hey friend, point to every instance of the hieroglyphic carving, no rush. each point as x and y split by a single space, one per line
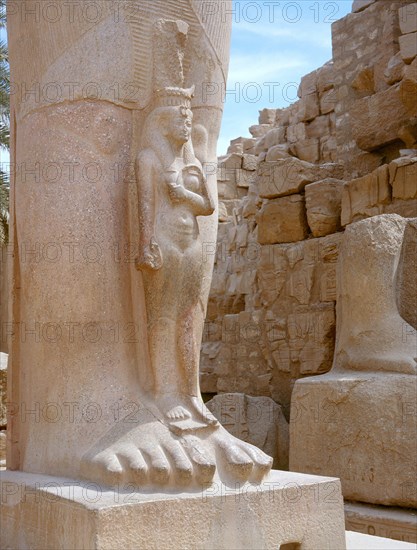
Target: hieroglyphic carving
311 339
366 196
329 252
381 527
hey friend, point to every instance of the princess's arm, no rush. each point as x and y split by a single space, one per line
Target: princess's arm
149 252
203 205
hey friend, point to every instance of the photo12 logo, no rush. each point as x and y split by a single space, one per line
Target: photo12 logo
247 11
250 92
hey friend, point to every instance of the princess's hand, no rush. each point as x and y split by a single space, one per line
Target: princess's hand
176 192
150 257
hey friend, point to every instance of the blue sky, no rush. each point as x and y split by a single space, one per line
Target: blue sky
274 44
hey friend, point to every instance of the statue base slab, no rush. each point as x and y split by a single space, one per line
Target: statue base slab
44 512
359 541
382 521
359 427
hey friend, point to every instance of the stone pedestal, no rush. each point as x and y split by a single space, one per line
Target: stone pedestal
382 521
43 512
360 427
359 541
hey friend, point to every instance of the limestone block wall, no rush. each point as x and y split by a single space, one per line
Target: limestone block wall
374 75
346 150
391 188
271 314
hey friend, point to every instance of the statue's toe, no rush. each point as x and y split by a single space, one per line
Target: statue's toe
107 468
178 413
134 465
204 465
158 465
262 462
236 461
182 468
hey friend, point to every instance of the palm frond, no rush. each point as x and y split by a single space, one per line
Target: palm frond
2 14
4 135
4 231
4 91
4 51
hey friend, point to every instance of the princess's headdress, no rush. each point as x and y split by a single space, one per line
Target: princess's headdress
170 40
173 97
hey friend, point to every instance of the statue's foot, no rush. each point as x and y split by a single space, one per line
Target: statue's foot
185 413
236 460
146 453
201 412
177 413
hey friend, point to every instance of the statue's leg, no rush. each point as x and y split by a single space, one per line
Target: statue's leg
161 301
371 334
189 331
80 349
406 288
172 364
205 446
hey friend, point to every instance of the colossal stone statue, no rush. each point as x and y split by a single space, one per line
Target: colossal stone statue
406 288
116 112
364 426
371 335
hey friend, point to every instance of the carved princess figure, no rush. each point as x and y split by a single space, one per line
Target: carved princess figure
172 192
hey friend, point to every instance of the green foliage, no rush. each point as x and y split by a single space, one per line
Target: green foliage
2 14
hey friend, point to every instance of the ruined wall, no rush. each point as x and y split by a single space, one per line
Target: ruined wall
373 52
344 151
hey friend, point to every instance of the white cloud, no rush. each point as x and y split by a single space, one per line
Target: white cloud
255 67
302 33
280 52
